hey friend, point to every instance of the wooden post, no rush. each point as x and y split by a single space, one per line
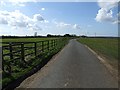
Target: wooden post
10 48
2 60
11 58
56 42
48 45
22 52
53 43
35 47
42 46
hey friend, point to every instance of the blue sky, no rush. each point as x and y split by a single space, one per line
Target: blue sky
80 18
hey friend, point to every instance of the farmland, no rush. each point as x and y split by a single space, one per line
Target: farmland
106 47
21 55
24 39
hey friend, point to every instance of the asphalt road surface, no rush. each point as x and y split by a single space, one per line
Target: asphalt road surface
74 67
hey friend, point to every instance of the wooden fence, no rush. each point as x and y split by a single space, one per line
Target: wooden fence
16 54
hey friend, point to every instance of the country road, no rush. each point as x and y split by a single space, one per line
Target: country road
73 67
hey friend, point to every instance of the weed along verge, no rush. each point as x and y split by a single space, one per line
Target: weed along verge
20 60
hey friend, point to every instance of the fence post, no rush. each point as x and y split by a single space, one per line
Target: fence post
22 52
42 46
11 58
2 60
54 43
48 45
11 54
35 47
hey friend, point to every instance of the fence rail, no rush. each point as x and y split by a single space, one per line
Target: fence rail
17 54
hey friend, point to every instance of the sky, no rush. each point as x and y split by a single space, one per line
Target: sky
21 18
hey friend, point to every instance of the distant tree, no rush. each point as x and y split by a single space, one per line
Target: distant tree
67 35
49 35
83 36
73 35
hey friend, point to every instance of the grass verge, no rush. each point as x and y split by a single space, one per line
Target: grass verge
105 47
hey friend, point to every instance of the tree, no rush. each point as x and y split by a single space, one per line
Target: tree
67 35
49 35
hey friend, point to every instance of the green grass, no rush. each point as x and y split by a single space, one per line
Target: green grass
25 39
107 47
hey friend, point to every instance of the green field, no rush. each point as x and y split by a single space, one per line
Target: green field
25 39
106 47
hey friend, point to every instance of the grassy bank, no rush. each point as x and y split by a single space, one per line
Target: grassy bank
106 47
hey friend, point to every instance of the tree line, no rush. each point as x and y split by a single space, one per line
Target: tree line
38 36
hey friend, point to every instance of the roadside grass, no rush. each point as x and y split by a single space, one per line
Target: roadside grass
105 47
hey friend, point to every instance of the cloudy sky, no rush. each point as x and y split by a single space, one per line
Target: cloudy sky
25 17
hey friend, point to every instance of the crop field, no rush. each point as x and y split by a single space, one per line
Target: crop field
106 47
20 55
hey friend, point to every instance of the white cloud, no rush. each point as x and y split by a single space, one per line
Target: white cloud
38 17
15 2
35 27
18 4
117 20
17 19
3 19
64 25
46 21
2 3
76 26
42 9
107 4
105 13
